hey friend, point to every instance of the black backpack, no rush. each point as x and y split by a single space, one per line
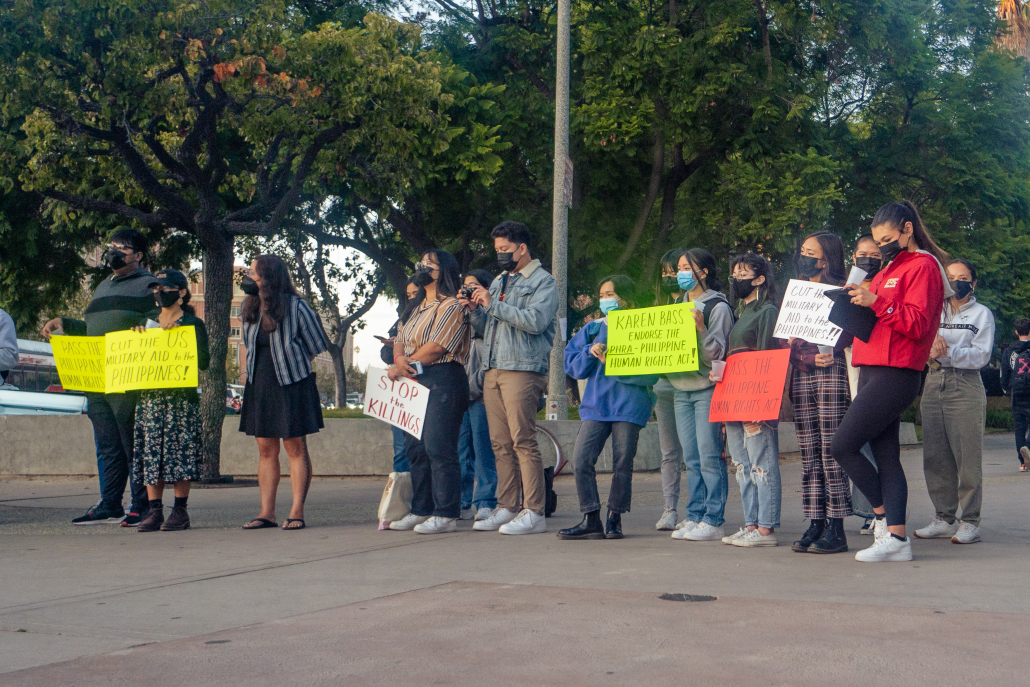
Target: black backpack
1021 373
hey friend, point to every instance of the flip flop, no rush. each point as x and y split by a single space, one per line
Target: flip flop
264 524
289 520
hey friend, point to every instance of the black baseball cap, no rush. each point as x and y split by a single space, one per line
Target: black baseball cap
171 278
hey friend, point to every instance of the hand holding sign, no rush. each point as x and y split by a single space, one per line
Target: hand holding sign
154 359
400 402
752 387
805 314
652 341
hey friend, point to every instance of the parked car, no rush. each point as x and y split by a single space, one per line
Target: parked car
355 400
233 401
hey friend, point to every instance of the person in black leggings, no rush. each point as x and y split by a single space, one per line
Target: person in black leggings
907 297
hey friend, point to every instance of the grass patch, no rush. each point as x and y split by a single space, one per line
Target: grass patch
573 414
347 413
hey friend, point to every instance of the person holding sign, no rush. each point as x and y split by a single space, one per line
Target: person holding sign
432 349
701 440
118 304
954 411
280 402
820 393
755 446
907 297
613 406
169 436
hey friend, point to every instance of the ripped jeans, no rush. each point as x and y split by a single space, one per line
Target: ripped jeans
757 460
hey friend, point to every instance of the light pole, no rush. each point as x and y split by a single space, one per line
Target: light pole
557 402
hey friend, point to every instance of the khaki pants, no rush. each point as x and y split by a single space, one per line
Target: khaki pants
511 399
954 409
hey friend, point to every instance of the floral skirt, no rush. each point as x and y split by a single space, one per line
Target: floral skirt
169 438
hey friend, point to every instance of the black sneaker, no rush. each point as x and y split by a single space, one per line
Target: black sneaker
97 515
132 519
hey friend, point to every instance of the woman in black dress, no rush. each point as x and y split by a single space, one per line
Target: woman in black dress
280 402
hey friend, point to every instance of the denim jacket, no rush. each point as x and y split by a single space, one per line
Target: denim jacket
519 331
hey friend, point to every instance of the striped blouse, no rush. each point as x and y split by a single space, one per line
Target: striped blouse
297 339
443 322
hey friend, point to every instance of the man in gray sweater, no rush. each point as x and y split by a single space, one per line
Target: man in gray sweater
121 302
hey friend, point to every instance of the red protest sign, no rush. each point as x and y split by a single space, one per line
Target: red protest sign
752 388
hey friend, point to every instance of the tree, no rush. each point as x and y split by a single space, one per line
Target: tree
208 118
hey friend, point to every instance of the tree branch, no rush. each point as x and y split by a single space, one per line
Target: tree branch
158 218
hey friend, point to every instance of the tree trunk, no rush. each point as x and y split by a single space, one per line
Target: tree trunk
653 188
340 372
218 274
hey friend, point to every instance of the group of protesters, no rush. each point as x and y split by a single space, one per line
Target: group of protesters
482 343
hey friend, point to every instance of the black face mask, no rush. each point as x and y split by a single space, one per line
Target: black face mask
890 251
423 276
507 261
670 285
115 259
742 288
249 286
961 288
808 266
870 265
166 299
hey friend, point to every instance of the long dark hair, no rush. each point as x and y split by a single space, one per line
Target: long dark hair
269 306
833 254
768 291
411 303
897 213
624 288
484 277
671 260
447 284
701 259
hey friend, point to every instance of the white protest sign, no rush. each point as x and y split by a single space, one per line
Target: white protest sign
804 312
401 403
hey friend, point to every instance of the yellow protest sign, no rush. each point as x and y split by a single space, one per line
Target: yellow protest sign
155 359
80 362
652 341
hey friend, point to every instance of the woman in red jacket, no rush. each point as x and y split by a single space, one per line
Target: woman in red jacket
907 296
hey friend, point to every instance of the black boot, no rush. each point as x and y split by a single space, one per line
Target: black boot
833 540
590 528
613 530
811 535
154 518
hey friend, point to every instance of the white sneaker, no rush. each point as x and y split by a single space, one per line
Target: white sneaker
886 549
668 521
484 513
938 529
756 538
466 513
500 516
408 522
705 532
527 522
436 525
968 533
683 528
735 536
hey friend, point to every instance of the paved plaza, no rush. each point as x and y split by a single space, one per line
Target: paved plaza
344 604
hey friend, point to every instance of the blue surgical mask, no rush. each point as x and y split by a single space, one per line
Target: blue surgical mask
686 280
609 304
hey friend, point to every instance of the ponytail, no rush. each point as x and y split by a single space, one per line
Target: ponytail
897 213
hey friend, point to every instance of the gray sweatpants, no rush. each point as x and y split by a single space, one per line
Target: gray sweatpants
669 443
954 410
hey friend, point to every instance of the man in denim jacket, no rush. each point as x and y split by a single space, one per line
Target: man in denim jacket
517 319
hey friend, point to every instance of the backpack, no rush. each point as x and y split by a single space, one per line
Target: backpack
710 304
1021 373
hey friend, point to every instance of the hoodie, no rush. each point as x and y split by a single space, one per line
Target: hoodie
607 399
1008 373
718 323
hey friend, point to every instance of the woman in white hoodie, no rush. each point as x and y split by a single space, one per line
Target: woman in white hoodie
954 409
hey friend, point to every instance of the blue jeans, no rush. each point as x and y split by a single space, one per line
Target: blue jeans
701 440
477 460
860 505
400 456
114 417
758 472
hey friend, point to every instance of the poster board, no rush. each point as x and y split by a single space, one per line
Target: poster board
155 359
79 361
400 403
752 387
805 314
649 341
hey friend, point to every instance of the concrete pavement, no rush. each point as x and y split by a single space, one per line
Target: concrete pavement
341 603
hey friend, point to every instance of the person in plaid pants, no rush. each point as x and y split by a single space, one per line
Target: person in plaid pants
821 395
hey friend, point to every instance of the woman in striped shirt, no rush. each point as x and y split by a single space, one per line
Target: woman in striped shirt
280 402
432 349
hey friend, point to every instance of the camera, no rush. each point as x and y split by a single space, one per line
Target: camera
466 291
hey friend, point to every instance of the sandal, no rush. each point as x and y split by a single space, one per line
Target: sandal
262 524
286 525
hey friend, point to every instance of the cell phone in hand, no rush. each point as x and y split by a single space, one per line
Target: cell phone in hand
381 338
417 366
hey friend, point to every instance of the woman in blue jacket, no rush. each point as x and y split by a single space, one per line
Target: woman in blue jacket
612 406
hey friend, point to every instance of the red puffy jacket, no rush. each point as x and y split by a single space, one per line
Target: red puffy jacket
909 300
